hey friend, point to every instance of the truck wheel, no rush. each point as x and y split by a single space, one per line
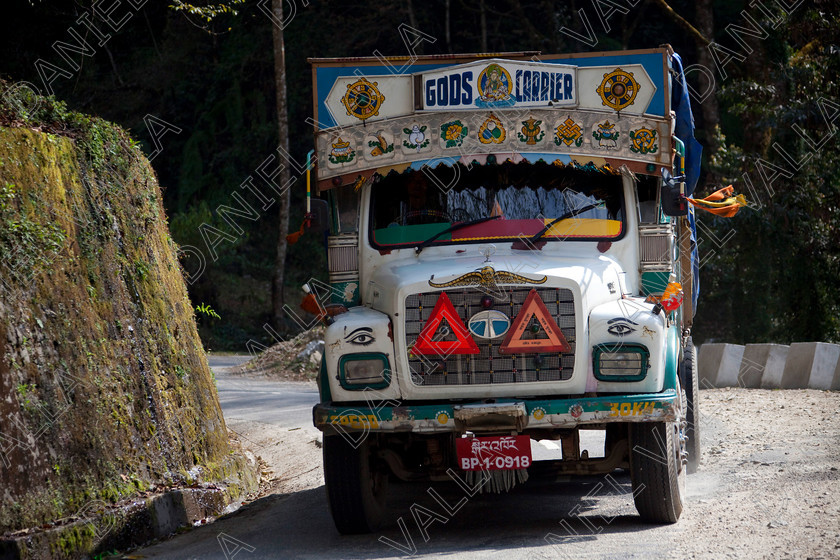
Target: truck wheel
356 482
691 382
656 470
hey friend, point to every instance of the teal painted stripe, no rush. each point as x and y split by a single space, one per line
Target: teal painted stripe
550 406
324 383
398 235
672 357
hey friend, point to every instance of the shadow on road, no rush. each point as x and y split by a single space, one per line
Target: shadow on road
533 521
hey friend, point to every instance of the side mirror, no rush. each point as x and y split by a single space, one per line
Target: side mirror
320 213
672 195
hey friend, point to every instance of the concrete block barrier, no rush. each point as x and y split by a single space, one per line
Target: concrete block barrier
708 358
763 366
720 364
802 365
810 364
824 369
835 383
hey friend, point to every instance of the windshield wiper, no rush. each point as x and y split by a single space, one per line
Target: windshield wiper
565 216
456 227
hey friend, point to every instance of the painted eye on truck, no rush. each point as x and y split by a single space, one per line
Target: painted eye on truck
620 329
363 336
620 326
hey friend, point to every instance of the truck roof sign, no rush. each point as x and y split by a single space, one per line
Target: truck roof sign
495 83
603 109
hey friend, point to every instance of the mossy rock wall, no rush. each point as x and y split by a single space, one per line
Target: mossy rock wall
105 390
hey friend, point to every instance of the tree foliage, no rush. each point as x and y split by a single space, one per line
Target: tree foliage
775 278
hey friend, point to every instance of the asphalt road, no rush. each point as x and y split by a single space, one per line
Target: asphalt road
494 527
758 494
284 405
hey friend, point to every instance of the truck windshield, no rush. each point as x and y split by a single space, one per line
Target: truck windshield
410 208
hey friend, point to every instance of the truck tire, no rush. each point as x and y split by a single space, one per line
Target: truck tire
690 380
656 471
356 482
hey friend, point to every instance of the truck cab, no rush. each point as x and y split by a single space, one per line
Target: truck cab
511 261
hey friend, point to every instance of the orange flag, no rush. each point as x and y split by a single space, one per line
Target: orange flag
722 202
293 237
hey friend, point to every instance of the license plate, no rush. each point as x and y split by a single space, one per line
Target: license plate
493 453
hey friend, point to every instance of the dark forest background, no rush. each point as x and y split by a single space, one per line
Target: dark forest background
770 274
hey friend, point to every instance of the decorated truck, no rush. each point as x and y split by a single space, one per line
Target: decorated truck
511 262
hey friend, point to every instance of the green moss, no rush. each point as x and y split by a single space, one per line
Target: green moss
141 269
26 243
73 539
28 398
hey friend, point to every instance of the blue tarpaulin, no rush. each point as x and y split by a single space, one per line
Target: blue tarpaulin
684 130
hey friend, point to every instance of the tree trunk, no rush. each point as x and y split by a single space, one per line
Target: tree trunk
483 20
446 27
709 107
412 17
757 137
629 27
277 281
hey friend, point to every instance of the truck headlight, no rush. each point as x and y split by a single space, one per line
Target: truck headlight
364 371
620 362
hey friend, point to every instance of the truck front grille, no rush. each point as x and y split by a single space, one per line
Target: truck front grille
490 367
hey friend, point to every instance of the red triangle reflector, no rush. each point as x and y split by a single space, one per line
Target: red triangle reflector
426 344
534 307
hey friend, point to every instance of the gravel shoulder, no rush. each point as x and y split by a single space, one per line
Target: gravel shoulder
768 485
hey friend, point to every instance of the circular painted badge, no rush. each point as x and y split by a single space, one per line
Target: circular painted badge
489 324
618 89
362 99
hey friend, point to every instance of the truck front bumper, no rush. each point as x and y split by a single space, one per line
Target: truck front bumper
538 413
